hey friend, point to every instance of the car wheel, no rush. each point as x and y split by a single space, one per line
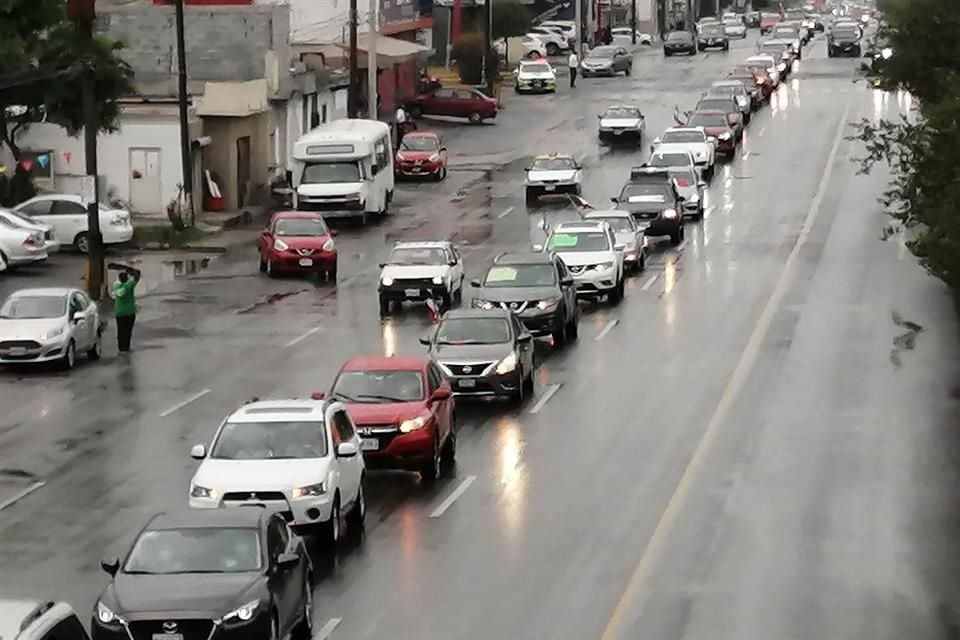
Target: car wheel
95 351
269 269
263 263
559 335
332 275
69 359
642 262
529 383
628 70
415 111
82 243
274 627
676 236
476 118
573 328
431 469
331 528
358 514
441 174
446 301
304 629
552 49
616 295
533 55
518 396
449 455
458 295
531 196
384 306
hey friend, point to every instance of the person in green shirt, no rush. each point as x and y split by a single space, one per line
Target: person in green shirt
125 305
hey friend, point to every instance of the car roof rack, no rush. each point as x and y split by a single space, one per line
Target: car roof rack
251 400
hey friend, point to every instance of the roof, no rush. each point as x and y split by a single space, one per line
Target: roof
709 112
426 244
608 213
476 313
280 411
44 291
345 129
683 129
579 225
203 518
533 257
550 156
421 134
384 363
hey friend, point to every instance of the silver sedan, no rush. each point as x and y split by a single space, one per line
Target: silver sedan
49 325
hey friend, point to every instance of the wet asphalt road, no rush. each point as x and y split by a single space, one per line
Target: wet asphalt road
758 443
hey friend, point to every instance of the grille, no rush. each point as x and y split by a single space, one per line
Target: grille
472 369
515 306
375 429
190 629
19 344
413 283
327 205
250 496
578 269
549 181
305 252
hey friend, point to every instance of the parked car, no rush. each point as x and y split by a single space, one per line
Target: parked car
533 47
50 242
404 411
298 242
553 39
68 217
418 271
40 620
49 325
421 154
676 42
458 103
19 246
606 61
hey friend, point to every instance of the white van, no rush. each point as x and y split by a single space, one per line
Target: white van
344 168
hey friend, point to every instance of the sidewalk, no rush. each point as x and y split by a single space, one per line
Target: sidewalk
215 232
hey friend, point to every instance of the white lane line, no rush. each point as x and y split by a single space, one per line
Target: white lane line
299 339
456 493
680 246
649 282
9 502
607 329
184 402
545 398
327 629
506 212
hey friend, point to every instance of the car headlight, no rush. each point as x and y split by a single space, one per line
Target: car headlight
508 364
106 615
670 213
695 198
604 266
308 491
414 423
245 612
198 491
280 245
434 157
386 281
742 101
482 304
548 303
329 245
52 333
118 220
437 279
724 136
353 197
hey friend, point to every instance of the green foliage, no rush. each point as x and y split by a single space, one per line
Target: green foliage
468 51
510 18
21 23
922 150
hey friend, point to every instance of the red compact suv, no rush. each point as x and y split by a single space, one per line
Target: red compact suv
404 411
298 241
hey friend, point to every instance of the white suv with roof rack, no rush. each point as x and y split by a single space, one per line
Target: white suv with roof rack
39 620
298 457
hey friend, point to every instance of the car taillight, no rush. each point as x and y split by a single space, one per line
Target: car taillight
32 241
683 182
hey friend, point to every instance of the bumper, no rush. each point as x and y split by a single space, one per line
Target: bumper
338 209
704 44
117 234
255 629
44 353
545 189
414 293
290 263
486 386
673 50
691 208
535 87
543 323
853 51
611 132
662 227
27 257
594 283
418 170
600 71
395 450
299 512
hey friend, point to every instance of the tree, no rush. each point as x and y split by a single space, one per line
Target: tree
42 63
510 18
468 51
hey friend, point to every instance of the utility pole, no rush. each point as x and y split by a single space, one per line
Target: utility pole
186 159
353 91
578 17
633 21
83 13
489 63
373 24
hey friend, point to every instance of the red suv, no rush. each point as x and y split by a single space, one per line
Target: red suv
404 411
459 103
298 241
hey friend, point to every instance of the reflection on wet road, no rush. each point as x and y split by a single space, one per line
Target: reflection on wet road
732 452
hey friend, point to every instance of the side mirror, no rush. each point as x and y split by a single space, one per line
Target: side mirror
475 283
525 338
333 233
452 263
110 565
346 450
198 452
425 341
702 184
440 395
538 247
619 247
615 199
382 265
567 282
76 317
444 149
681 199
290 560
656 141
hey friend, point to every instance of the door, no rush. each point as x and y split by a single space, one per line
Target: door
243 170
440 103
68 218
465 102
145 193
623 59
84 326
456 276
526 348
442 411
350 468
283 580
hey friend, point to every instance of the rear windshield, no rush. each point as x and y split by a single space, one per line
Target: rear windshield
708 120
678 36
719 104
645 192
670 160
535 68
683 136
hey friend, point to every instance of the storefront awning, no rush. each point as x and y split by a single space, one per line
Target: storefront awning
389 50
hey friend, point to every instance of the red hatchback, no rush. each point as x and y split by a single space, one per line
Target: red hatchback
421 154
404 411
297 241
460 103
726 128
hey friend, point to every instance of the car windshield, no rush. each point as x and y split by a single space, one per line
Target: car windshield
195 550
709 120
773 47
379 386
727 89
582 241
678 36
418 256
420 143
270 441
602 52
731 23
331 172
645 192
622 112
473 331
784 32
535 68
670 160
521 275
683 136
30 307
684 178
618 224
711 30
312 227
553 164
846 34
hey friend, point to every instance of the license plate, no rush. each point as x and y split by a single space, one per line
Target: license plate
618 132
412 293
549 187
168 636
417 170
468 383
306 262
369 444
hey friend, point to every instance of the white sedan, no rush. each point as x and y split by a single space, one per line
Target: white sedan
49 325
19 246
68 217
50 242
622 34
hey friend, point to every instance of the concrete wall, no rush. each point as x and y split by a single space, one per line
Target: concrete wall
221 156
319 21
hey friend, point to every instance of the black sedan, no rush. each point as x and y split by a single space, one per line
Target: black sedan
221 573
679 42
844 42
713 37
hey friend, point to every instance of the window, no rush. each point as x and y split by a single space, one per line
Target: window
76 305
443 93
67 208
381 151
343 426
67 629
434 378
464 94
38 208
276 542
456 253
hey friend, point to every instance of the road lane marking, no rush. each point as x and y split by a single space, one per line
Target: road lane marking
680 246
730 394
184 402
456 493
9 502
300 339
607 329
327 630
505 212
545 398
649 282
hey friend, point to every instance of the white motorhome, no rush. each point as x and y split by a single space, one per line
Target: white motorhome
344 168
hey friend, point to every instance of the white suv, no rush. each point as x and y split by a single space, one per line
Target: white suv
299 457
590 251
